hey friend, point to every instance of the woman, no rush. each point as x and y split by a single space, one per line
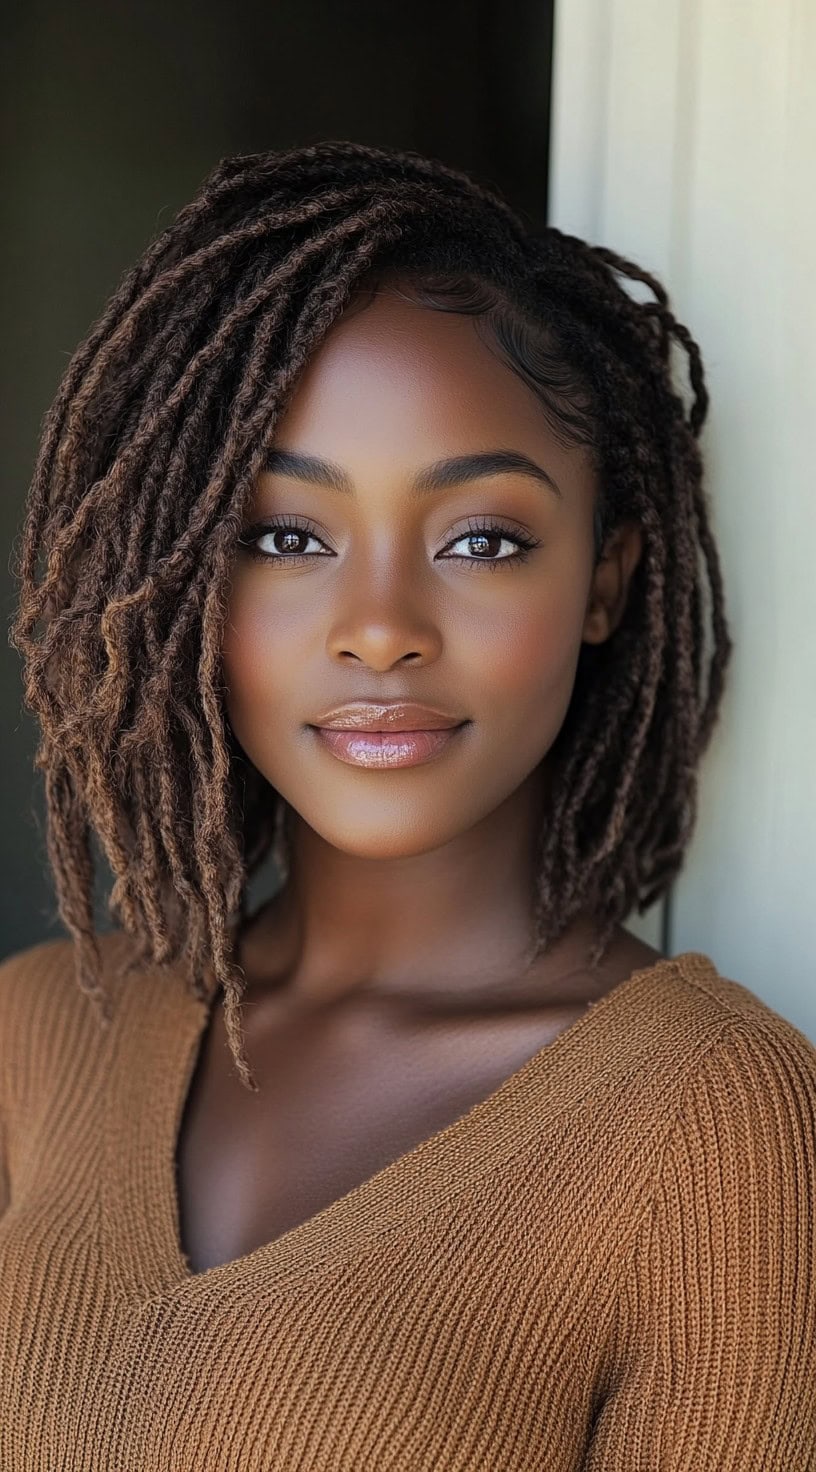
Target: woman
373 535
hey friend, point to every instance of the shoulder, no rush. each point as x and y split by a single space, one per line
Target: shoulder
688 1014
719 1091
747 1117
43 1011
47 969
752 1072
754 1059
730 998
679 1028
739 1136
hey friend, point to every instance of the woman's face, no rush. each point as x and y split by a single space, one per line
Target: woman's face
392 598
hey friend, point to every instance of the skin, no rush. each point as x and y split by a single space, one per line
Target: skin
386 990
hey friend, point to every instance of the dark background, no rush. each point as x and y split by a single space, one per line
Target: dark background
112 115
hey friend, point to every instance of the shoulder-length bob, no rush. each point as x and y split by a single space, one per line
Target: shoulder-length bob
148 456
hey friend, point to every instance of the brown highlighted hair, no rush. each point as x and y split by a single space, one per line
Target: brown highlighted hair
148 456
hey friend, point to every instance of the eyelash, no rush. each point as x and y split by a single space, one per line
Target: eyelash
475 528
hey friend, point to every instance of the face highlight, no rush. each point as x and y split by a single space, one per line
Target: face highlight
472 597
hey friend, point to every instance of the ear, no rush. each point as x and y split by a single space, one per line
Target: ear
606 603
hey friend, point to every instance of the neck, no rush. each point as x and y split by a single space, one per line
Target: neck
453 924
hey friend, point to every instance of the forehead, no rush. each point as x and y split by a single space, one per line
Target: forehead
393 370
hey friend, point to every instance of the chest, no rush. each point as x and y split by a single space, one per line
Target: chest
339 1100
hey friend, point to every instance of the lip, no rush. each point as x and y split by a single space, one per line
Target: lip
387 733
388 749
386 716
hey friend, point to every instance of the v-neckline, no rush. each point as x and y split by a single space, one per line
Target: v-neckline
160 1014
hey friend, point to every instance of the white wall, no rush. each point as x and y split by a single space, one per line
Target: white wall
684 135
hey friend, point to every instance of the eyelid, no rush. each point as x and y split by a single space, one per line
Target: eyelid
275 523
493 525
496 525
497 520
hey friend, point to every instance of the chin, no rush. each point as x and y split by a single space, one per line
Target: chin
388 845
387 839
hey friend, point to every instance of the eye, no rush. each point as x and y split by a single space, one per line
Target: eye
487 539
289 538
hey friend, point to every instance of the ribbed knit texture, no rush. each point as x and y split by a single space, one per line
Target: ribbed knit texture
609 1264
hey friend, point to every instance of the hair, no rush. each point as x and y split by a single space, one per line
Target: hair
148 455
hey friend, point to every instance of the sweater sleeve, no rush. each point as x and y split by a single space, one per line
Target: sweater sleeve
714 1363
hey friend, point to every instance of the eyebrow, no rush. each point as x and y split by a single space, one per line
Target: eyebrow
439 476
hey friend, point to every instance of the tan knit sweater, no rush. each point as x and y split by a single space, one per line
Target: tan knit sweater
609 1264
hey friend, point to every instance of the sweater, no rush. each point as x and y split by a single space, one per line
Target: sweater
609 1264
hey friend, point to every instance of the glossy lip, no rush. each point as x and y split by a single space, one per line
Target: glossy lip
387 749
386 716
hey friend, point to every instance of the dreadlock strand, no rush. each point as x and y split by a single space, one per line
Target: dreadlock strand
239 429
54 423
723 646
335 160
109 489
626 777
137 305
69 852
177 561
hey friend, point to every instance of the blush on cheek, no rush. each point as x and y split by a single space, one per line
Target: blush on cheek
526 676
257 649
249 691
525 660
263 658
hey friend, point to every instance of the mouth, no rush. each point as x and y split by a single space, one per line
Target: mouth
379 749
386 715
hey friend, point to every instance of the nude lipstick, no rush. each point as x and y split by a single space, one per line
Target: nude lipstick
387 734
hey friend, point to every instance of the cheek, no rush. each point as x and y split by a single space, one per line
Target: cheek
260 656
524 657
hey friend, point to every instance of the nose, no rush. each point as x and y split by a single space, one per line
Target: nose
383 619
